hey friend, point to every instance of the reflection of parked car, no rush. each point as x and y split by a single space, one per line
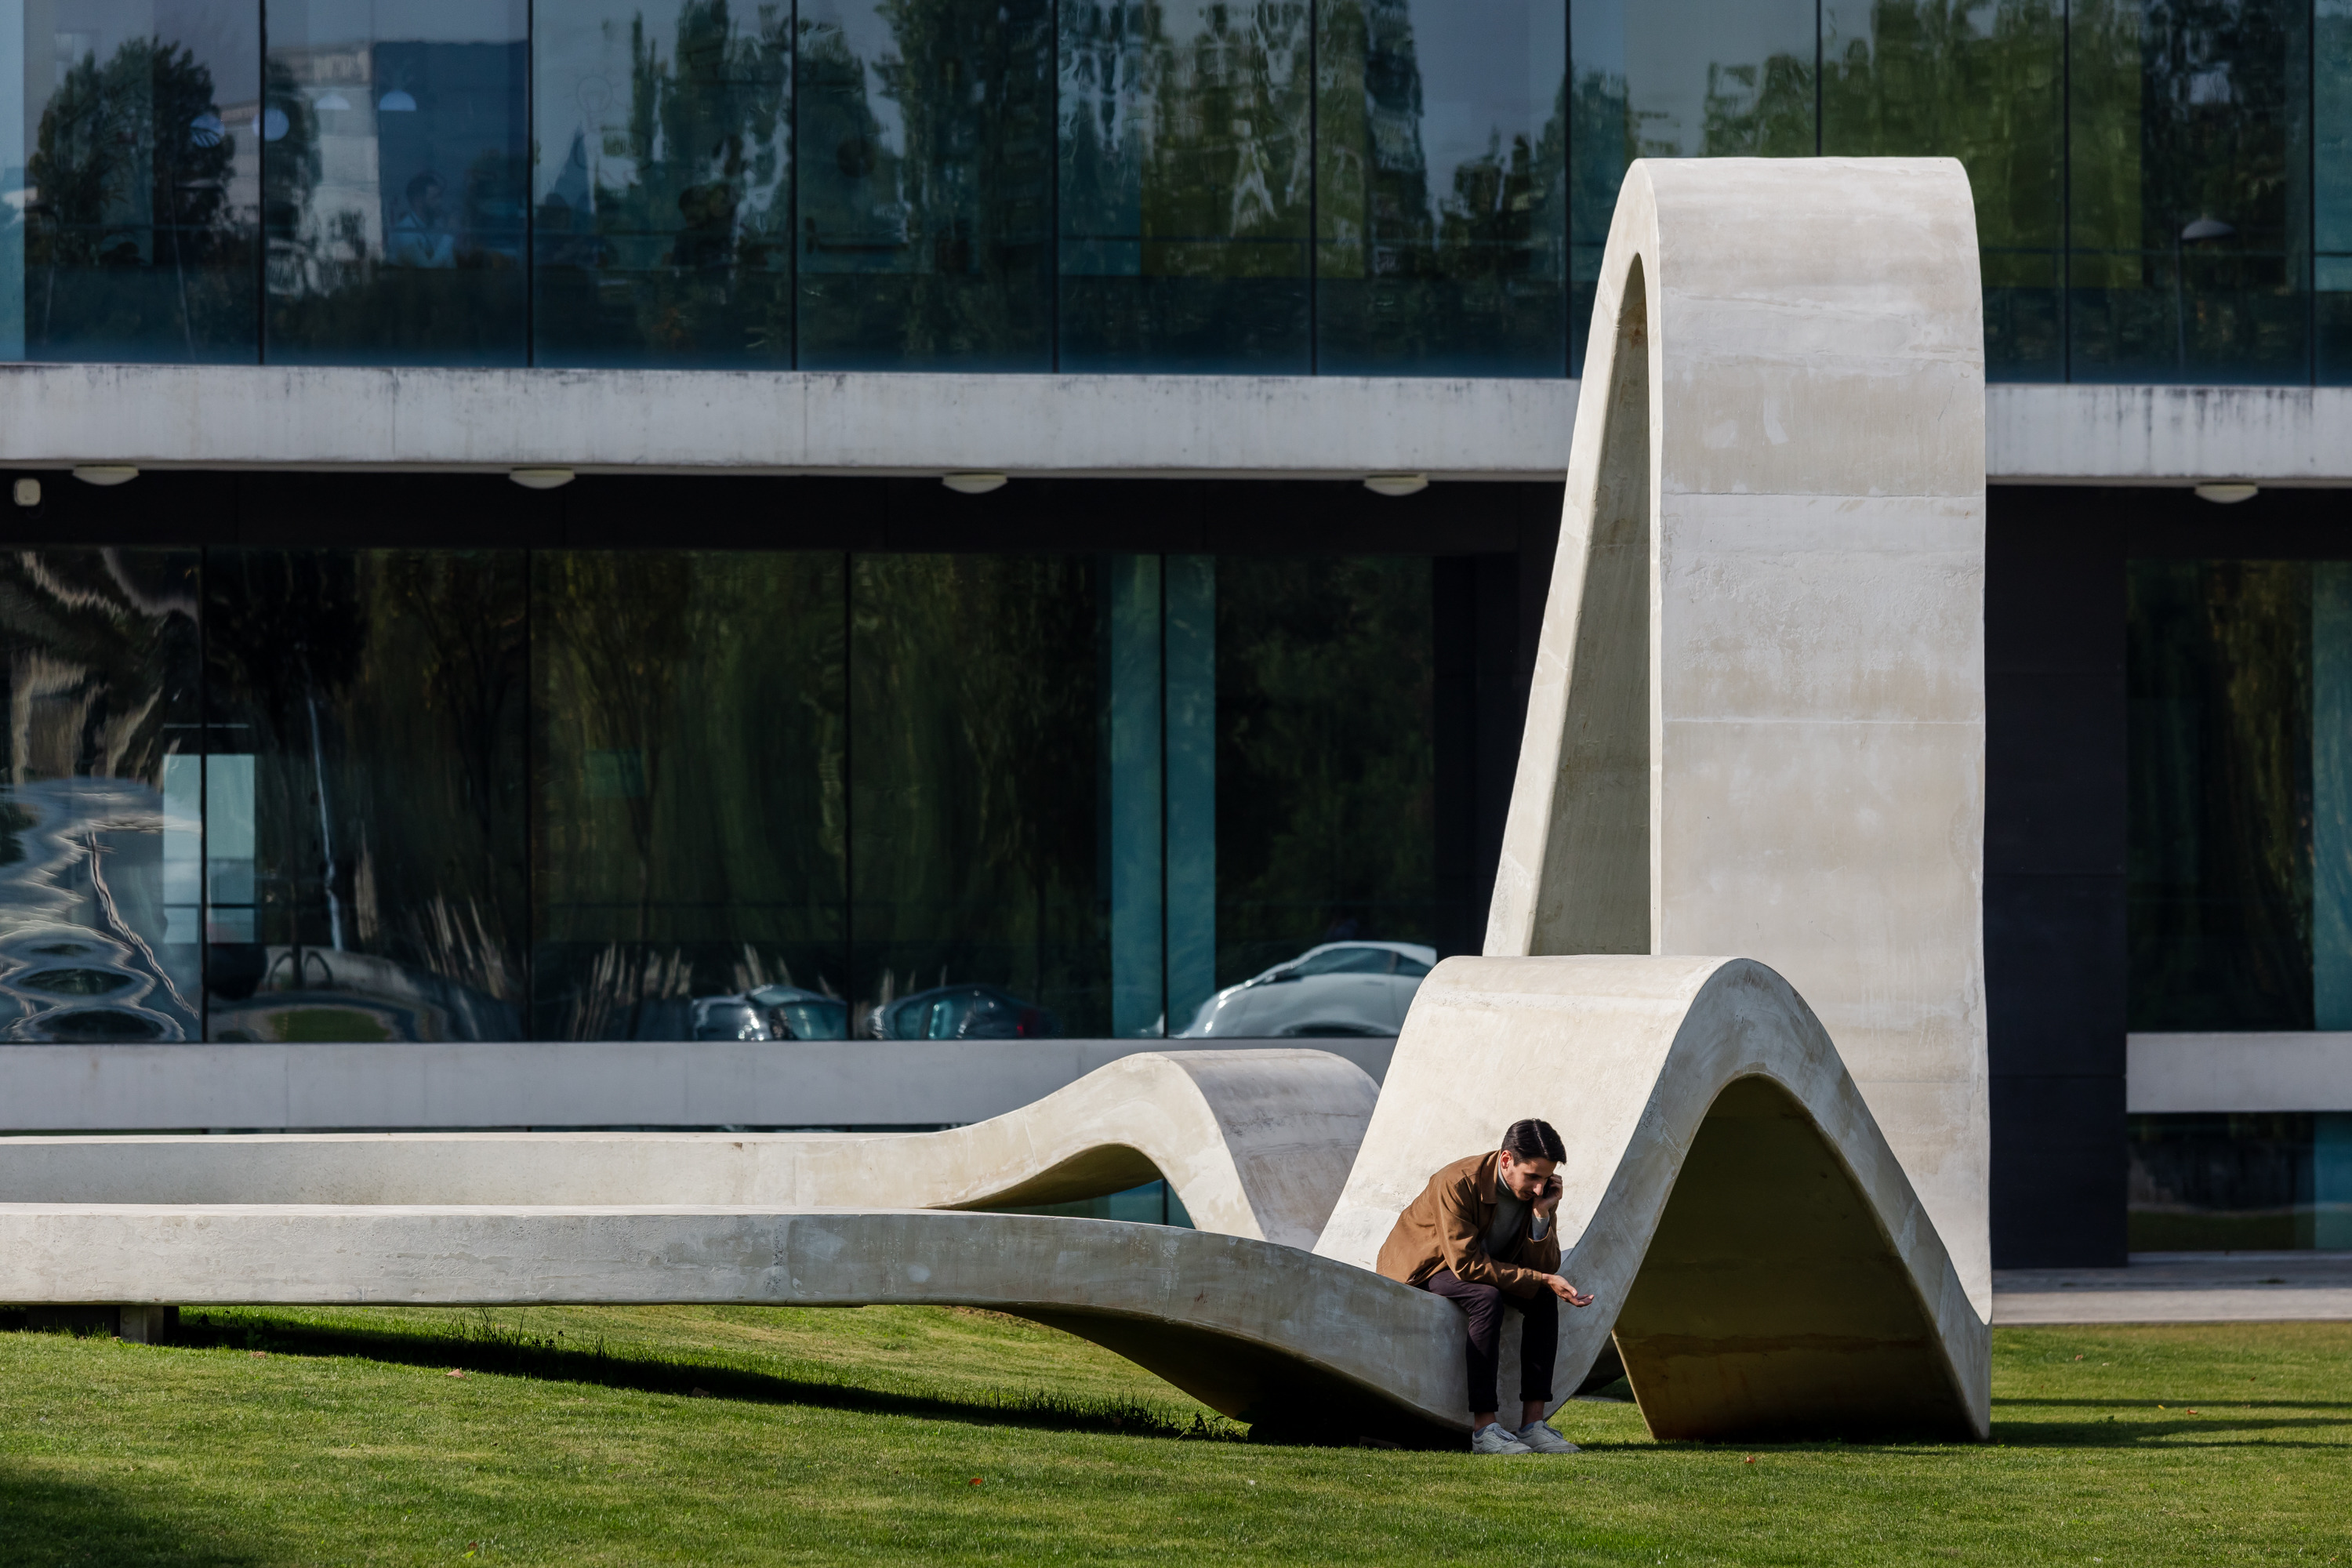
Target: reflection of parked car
771 1012
964 1013
1338 988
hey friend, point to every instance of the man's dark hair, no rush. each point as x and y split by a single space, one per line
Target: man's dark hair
1533 1140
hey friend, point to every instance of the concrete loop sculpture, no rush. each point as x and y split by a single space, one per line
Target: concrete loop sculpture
1756 727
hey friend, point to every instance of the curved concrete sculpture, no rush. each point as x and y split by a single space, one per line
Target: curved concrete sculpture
1756 727
1256 1143
1725 1182
1757 722
1728 1186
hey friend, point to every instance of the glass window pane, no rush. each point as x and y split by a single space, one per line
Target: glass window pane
2332 163
364 799
980 843
394 179
691 817
99 807
1187 181
1981 82
2248 1182
137 153
926 132
2219 881
1326 763
663 184
1442 167
2190 181
1677 78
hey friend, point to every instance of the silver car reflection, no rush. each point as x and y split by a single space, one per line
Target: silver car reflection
1339 988
771 1012
964 1013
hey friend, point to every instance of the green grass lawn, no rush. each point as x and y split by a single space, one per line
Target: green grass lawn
753 1434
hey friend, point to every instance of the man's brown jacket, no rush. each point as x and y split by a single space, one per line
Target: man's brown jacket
1445 1228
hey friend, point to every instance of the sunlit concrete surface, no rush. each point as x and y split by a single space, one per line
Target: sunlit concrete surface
558 1083
1729 1198
1255 1142
2182 1287
1757 722
1266 1334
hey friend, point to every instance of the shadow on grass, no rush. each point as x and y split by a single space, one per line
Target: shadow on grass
2218 1401
480 1344
51 1521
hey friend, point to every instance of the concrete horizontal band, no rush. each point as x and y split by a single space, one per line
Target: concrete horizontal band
2185 1073
605 1083
239 416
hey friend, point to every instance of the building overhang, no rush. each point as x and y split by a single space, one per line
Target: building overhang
1197 427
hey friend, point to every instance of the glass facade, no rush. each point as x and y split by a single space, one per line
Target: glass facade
2246 1183
319 794
394 181
2190 177
2238 881
2164 187
101 809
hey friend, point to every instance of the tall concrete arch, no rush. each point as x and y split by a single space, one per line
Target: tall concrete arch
1757 722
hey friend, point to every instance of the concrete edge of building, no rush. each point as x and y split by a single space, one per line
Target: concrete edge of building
2211 1073
1128 427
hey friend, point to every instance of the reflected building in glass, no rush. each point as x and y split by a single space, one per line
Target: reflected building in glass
394 179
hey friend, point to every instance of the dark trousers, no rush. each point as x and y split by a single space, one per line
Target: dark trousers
1538 1336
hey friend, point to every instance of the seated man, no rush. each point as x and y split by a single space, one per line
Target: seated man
1480 1235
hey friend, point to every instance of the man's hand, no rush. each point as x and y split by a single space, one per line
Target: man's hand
1566 1291
1549 1199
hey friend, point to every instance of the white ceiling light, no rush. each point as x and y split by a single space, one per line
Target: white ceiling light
973 484
106 473
1396 484
29 492
540 478
2228 494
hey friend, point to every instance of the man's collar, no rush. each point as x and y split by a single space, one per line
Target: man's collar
1488 1177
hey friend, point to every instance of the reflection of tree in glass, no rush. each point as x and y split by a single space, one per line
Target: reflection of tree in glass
132 164
937 251
1326 756
382 695
2189 110
1979 83
975 755
689 194
2220 671
689 815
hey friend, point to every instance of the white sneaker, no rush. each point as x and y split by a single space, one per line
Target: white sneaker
1495 1438
1537 1437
